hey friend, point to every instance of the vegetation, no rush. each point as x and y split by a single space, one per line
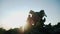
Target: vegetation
35 25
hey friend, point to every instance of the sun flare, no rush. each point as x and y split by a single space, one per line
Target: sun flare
15 20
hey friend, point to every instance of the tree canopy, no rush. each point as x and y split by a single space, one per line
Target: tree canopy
35 25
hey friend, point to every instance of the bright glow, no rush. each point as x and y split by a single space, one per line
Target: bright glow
14 20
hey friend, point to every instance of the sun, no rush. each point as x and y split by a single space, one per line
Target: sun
15 20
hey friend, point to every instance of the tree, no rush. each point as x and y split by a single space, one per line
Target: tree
2 31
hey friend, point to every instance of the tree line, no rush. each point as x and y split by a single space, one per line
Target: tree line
35 25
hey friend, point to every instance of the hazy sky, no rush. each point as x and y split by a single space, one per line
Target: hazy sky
13 12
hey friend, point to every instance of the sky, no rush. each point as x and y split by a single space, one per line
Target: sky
13 13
